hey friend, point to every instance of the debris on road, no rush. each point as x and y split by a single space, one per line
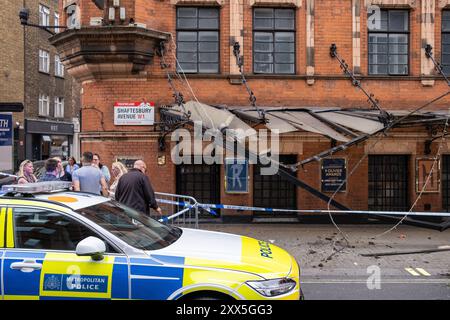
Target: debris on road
438 249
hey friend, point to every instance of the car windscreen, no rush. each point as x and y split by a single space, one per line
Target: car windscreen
135 228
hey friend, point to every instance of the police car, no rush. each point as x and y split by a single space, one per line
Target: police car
71 245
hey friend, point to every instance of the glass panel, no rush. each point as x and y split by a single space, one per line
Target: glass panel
446 59
398 69
284 68
263 37
378 69
446 38
187 12
264 47
45 230
208 36
263 57
264 13
377 22
208 46
288 24
187 67
398 20
398 38
378 38
378 59
284 37
208 13
187 56
208 67
398 59
378 48
208 24
445 25
263 68
208 57
187 46
184 23
398 48
284 47
284 57
285 13
263 23
187 36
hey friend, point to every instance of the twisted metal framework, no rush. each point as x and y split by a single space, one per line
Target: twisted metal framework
384 116
240 64
166 126
437 65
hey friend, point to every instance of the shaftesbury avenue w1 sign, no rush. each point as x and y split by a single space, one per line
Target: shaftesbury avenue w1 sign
134 114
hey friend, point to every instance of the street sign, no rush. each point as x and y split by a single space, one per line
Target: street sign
11 107
134 114
236 173
6 142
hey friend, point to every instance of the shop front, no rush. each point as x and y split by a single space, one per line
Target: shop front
46 139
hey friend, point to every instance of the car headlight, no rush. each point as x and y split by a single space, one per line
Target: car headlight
271 288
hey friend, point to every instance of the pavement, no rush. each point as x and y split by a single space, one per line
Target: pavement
332 267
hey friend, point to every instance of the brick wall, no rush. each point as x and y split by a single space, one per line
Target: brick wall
332 24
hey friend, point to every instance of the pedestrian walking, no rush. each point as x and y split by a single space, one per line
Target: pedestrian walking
118 169
26 173
62 174
135 190
72 165
51 171
89 178
96 162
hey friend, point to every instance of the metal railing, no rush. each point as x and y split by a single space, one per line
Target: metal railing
178 210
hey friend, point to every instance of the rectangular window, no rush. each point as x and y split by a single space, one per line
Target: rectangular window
44 15
445 60
200 181
198 40
44 61
274 41
389 43
44 105
59 107
388 183
59 67
57 22
272 191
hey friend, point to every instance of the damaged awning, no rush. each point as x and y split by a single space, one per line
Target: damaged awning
343 125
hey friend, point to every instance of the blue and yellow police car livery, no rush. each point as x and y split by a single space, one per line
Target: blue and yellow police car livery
67 245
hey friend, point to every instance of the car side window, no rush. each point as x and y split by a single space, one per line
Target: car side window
47 230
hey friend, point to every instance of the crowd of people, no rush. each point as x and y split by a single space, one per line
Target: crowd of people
130 187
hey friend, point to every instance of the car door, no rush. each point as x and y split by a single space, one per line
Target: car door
41 260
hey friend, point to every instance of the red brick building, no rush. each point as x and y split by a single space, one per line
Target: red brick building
286 51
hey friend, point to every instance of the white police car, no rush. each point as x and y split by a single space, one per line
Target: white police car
65 245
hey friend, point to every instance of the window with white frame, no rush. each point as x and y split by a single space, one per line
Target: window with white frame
57 22
44 15
59 67
44 105
44 61
59 107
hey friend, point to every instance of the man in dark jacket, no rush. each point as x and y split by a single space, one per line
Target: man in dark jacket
135 190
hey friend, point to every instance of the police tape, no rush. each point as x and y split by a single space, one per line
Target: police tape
210 207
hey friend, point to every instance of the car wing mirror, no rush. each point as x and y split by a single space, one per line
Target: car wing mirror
91 247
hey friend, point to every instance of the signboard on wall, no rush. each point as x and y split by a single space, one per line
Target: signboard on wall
236 175
6 142
134 114
334 173
428 175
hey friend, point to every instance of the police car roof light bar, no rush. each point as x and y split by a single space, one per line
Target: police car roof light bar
38 187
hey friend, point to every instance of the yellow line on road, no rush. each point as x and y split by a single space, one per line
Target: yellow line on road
423 272
413 272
